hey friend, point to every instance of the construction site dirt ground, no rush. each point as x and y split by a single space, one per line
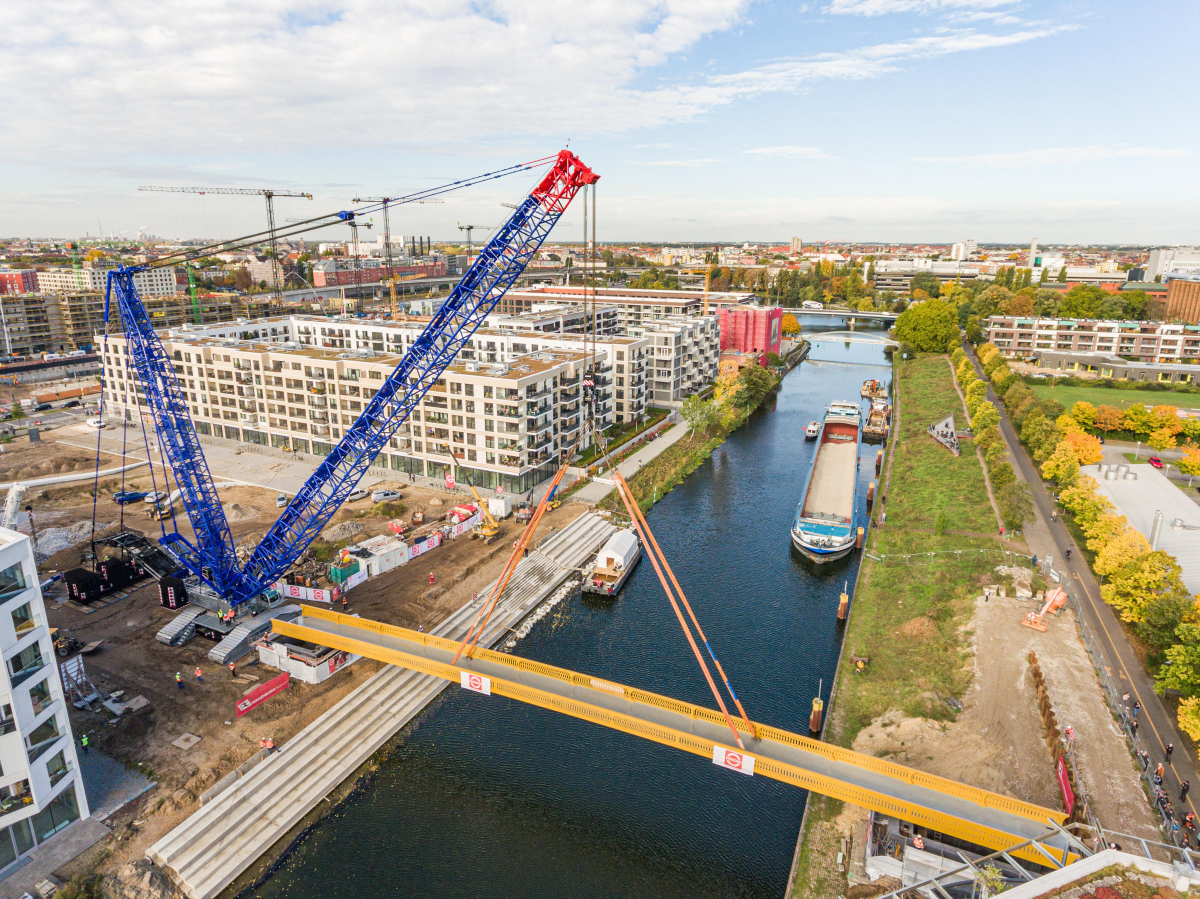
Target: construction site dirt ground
998 742
132 661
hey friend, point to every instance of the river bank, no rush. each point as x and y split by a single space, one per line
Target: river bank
909 619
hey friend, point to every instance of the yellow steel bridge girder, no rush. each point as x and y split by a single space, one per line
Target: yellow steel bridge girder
970 831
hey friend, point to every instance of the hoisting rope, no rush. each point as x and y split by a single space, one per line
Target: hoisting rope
485 611
124 441
638 523
150 459
644 526
96 477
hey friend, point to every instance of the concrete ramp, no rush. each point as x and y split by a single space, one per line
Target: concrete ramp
221 840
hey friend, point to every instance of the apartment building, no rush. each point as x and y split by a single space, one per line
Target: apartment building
683 356
633 306
1136 341
486 345
155 282
503 421
558 319
41 790
18 281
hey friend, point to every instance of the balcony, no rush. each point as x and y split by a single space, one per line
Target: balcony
243 377
59 772
18 798
537 443
533 395
508 412
320 430
247 405
319 417
318 402
248 418
19 677
317 376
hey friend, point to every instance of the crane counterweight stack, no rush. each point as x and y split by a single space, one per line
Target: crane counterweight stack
212 557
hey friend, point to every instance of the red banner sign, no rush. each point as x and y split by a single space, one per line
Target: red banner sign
734 761
450 480
1064 783
261 694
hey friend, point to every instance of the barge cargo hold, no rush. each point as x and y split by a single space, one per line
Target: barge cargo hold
824 528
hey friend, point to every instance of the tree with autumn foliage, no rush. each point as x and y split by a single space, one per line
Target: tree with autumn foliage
1104 530
1062 467
1108 418
790 325
1161 439
1190 463
1087 448
1084 413
1121 550
1085 502
1189 717
1132 588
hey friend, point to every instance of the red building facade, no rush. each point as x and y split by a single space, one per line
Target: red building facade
17 282
749 329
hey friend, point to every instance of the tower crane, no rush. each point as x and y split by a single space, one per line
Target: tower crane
270 195
212 557
469 229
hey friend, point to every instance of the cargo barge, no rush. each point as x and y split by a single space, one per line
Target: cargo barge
879 421
824 528
874 389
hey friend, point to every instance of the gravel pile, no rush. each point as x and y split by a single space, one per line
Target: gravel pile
53 540
341 531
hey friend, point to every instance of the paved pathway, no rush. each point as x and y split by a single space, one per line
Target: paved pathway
1122 664
595 491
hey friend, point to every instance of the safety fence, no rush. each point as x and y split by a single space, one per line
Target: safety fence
1119 703
950 555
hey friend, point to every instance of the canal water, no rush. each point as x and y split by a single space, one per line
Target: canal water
491 797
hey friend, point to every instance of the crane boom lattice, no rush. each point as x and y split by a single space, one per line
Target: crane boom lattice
212 558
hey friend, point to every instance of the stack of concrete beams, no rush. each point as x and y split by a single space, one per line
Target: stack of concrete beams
214 846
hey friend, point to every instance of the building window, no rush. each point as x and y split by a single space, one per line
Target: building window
40 696
23 619
62 811
12 582
57 767
25 664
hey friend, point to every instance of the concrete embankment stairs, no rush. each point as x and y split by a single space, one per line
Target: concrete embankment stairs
214 846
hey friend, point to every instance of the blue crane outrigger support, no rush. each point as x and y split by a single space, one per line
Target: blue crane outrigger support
213 558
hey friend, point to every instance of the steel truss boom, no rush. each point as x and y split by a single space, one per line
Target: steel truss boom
213 558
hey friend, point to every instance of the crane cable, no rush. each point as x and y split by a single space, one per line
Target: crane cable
631 505
337 218
96 477
644 526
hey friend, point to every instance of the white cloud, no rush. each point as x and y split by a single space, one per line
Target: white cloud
1056 156
679 163
206 79
791 152
883 7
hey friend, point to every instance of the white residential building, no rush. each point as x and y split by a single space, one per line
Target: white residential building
684 356
155 282
41 790
504 409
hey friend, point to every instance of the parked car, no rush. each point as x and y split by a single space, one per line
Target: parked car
1155 461
356 495
128 496
42 407
72 404
385 496
96 423
281 501
154 496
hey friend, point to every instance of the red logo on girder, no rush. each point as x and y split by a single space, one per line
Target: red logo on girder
733 759
475 682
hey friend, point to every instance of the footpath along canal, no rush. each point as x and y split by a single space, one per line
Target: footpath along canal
487 796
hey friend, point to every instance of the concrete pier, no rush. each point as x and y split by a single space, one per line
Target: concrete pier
214 846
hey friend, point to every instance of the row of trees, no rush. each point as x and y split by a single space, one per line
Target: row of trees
1145 586
1014 497
735 395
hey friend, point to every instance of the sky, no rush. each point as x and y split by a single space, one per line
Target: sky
708 120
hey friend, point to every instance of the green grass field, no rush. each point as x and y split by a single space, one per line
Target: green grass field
909 620
1109 396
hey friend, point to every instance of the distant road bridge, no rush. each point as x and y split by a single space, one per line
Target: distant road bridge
848 314
978 816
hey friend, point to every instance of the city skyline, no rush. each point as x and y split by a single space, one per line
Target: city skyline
710 121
